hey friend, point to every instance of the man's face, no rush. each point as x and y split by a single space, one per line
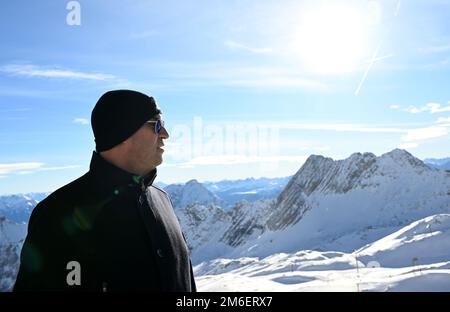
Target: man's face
146 147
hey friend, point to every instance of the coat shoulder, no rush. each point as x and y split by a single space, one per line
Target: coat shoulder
63 197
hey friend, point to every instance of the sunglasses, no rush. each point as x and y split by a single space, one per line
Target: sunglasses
159 124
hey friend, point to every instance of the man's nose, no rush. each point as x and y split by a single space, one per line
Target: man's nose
164 133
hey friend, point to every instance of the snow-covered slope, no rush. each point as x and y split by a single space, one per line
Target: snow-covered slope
211 231
415 258
204 227
248 221
426 241
192 192
11 239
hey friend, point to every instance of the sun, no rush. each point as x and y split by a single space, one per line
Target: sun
332 38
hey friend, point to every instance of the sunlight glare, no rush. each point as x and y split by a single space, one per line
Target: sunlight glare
332 39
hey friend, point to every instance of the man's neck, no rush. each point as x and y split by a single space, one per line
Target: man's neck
119 160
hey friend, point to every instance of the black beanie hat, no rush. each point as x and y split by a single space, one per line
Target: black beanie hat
118 115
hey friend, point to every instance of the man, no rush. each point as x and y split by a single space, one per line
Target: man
111 229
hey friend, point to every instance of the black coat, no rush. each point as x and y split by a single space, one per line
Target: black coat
120 229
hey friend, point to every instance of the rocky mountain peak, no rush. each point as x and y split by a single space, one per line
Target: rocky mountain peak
321 176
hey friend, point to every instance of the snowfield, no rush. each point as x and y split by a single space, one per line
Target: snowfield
415 258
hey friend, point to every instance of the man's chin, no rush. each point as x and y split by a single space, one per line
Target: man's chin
159 161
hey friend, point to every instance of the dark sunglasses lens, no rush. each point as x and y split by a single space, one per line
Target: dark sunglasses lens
158 126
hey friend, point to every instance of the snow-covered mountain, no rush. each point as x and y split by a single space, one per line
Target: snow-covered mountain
328 201
192 192
329 205
415 258
442 163
11 239
18 207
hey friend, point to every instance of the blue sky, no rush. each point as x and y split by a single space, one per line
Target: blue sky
247 88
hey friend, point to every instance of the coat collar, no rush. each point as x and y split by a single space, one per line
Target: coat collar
109 179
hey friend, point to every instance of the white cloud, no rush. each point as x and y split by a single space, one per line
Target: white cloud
235 159
30 167
429 107
58 168
394 106
443 120
36 71
413 110
81 121
341 127
24 172
19 167
408 145
411 137
194 75
321 148
422 134
255 77
239 46
443 62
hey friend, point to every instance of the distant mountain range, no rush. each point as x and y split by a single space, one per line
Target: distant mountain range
443 163
227 193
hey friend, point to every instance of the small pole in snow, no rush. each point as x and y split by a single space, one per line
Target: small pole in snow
415 264
357 273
